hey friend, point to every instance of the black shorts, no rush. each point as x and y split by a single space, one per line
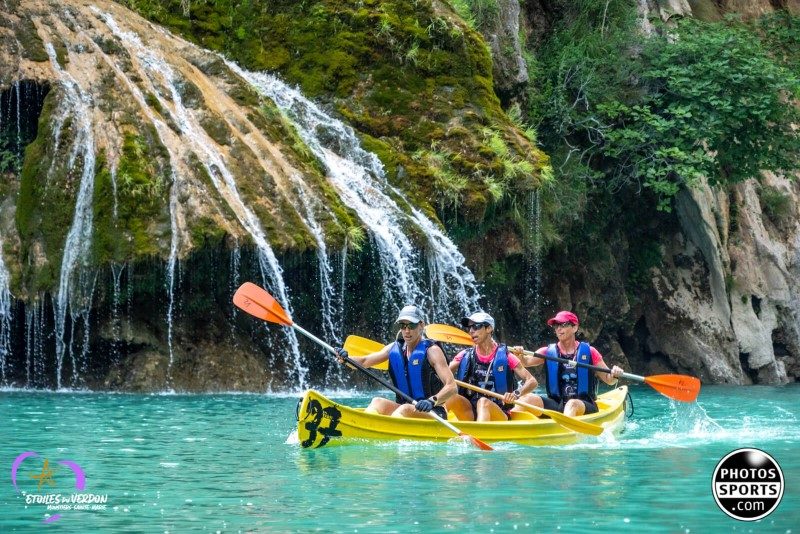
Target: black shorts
550 404
440 411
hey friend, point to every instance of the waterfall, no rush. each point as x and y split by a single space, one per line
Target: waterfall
17 86
116 321
360 181
5 316
161 76
533 262
80 233
331 320
173 259
34 345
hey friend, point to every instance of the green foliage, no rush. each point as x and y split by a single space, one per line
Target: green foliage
10 160
644 255
32 45
780 33
479 14
775 204
723 95
701 99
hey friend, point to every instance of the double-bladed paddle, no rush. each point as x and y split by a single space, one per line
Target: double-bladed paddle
679 387
357 346
258 303
361 346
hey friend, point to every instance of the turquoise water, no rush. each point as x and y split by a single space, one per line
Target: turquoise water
180 463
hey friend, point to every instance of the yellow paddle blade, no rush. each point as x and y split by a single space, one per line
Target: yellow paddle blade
358 347
448 334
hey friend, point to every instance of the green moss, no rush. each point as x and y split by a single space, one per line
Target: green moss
776 204
191 96
402 72
153 102
216 127
46 203
206 232
130 205
32 45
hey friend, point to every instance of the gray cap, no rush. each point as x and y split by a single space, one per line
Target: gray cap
411 314
478 317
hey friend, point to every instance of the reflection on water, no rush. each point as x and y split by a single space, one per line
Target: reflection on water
221 462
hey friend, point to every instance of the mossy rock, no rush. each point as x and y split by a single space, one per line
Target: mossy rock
402 72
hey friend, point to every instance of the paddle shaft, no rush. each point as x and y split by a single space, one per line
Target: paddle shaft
364 370
566 421
629 376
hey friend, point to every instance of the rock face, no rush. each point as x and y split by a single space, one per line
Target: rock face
726 296
502 34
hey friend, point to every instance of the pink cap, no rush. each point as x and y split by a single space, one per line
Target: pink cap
563 317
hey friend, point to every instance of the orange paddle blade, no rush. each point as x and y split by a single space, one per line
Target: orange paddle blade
679 387
448 334
258 303
475 441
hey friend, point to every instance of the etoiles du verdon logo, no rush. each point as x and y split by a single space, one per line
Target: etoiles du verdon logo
55 486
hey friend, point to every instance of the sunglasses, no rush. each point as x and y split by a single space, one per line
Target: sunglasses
476 326
410 326
559 325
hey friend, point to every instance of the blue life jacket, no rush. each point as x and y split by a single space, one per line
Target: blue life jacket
503 376
587 381
414 376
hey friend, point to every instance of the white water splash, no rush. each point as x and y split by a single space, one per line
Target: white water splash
360 181
79 237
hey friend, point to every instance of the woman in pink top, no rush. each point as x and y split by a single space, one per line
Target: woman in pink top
488 365
571 389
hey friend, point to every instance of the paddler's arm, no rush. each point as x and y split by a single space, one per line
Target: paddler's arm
526 359
439 364
609 378
527 386
376 357
367 361
454 365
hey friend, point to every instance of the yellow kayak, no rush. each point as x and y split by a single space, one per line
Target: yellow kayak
323 422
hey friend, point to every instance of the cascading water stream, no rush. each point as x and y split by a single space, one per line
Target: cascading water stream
80 233
171 264
331 321
533 261
160 74
116 320
5 316
360 181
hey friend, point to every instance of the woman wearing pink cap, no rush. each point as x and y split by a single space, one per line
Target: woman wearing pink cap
571 389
